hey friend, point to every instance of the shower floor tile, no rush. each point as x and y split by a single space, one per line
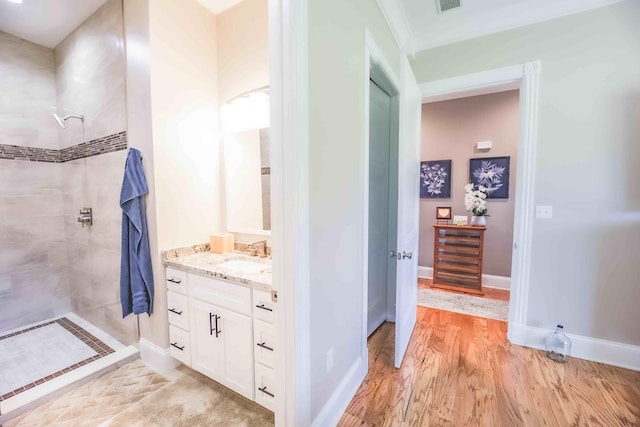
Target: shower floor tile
43 352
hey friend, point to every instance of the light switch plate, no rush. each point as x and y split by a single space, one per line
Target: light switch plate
544 212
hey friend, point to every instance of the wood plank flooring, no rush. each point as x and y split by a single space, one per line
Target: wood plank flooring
490 293
460 370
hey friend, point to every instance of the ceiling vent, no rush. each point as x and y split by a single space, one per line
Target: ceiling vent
447 5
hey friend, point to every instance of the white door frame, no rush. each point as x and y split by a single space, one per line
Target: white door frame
376 65
288 69
526 77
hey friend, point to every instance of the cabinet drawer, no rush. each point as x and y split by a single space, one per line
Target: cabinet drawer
178 306
265 387
222 294
264 341
263 307
180 347
176 281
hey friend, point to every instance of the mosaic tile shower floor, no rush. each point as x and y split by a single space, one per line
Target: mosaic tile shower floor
36 354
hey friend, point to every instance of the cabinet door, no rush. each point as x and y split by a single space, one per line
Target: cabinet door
207 349
236 331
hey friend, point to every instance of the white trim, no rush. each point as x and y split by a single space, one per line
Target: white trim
493 79
333 410
156 358
288 69
509 19
397 21
596 350
528 75
488 280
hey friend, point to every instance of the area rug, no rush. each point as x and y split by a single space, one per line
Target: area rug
465 304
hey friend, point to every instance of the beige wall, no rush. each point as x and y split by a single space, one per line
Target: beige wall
90 77
450 130
243 49
27 94
584 271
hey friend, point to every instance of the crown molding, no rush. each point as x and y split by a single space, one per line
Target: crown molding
396 18
508 20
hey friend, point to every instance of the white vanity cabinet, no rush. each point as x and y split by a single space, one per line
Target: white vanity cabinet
225 331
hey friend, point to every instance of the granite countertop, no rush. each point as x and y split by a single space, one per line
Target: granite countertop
197 259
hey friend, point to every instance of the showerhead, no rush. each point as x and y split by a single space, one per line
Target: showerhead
61 121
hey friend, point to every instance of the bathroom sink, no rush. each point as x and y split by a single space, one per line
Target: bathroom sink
244 266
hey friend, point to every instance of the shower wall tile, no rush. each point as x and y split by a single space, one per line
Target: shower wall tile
28 94
34 283
90 77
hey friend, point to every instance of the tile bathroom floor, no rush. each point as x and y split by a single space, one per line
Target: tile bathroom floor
134 395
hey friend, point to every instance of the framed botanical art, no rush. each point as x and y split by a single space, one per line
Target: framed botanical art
493 174
435 179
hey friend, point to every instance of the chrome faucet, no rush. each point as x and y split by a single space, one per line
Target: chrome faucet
86 217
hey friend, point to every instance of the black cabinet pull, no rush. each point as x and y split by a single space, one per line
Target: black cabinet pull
175 344
172 280
173 310
261 306
218 331
211 330
264 390
264 346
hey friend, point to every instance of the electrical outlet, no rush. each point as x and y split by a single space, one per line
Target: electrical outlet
544 212
329 360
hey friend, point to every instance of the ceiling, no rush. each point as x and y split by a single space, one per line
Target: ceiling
218 6
45 22
417 25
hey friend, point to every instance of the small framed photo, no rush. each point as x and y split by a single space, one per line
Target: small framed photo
460 219
493 174
443 213
435 179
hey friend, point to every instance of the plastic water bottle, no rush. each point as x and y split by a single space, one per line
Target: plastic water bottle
558 345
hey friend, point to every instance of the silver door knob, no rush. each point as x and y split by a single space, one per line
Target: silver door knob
406 255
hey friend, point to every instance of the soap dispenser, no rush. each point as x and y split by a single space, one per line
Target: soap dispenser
558 345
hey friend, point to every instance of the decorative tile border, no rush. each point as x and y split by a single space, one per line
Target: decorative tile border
89 339
104 145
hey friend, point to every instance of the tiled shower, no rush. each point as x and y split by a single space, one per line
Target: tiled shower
50 264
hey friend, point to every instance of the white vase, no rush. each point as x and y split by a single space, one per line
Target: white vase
479 221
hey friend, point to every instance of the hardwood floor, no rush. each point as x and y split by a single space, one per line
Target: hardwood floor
460 370
489 293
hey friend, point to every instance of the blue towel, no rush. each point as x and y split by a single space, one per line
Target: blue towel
136 275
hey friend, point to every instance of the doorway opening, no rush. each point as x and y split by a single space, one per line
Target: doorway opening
468 140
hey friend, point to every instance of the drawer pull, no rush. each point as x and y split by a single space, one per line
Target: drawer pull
176 281
175 344
264 346
261 306
173 310
264 390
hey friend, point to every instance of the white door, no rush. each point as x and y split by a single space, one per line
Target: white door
235 329
379 146
408 211
207 355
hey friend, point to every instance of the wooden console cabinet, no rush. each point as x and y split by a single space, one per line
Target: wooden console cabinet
457 258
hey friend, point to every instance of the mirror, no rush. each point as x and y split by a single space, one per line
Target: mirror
248 182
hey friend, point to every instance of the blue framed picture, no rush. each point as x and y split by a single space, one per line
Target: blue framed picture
493 174
435 179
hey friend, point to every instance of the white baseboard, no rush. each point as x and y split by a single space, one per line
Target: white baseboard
338 402
158 359
488 280
587 348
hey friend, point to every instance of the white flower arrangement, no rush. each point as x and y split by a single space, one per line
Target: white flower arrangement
474 200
